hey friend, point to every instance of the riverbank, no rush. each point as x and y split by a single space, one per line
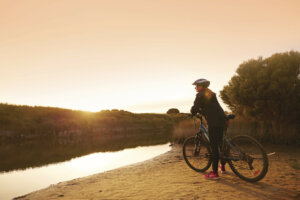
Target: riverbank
28 123
168 177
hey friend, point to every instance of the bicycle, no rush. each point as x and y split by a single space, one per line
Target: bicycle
244 154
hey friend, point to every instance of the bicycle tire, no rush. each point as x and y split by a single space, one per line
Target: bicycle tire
199 161
254 157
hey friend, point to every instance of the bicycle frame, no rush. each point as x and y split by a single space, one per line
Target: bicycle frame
203 130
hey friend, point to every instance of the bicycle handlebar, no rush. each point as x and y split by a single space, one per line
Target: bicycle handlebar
198 115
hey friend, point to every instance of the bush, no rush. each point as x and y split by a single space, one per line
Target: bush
173 111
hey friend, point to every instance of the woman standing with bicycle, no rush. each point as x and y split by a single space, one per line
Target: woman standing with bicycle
207 104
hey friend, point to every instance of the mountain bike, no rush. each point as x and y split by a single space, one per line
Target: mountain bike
245 155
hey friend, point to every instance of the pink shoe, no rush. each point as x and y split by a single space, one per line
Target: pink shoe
222 169
212 175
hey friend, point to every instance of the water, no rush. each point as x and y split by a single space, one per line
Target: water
20 182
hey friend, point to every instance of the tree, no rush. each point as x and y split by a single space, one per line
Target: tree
267 90
173 111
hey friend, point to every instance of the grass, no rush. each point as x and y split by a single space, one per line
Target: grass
29 123
184 129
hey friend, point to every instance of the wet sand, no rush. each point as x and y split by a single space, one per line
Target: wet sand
168 177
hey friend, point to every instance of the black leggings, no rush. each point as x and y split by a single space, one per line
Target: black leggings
215 138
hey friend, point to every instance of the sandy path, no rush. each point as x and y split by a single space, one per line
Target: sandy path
168 177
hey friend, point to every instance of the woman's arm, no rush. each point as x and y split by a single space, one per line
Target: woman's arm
197 104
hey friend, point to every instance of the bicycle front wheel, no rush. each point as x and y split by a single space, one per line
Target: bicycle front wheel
248 160
196 154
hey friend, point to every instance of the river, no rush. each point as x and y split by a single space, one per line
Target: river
20 182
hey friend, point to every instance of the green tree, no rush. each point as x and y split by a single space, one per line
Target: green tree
268 91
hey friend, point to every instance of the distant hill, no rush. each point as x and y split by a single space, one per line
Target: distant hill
30 122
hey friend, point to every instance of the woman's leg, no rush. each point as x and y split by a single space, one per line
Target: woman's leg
215 138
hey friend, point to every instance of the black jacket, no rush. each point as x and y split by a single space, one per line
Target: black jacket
206 103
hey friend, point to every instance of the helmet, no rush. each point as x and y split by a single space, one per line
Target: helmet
202 82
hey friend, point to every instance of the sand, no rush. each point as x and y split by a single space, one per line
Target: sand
168 177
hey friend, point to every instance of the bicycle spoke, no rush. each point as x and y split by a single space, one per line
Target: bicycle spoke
253 163
196 154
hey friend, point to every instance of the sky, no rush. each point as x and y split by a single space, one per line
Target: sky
135 55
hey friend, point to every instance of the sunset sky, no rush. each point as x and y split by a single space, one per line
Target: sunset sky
136 55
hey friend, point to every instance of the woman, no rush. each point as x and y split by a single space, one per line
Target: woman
207 104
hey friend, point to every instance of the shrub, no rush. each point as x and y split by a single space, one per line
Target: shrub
173 111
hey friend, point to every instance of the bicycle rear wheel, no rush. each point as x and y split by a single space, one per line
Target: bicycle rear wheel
196 154
250 161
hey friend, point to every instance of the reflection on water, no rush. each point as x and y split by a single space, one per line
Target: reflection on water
16 183
25 154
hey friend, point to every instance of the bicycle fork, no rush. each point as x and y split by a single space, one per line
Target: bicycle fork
197 147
